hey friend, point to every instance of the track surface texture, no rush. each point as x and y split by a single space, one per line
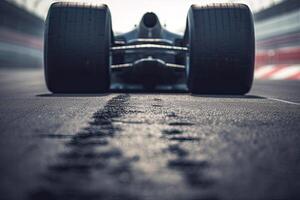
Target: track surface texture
147 146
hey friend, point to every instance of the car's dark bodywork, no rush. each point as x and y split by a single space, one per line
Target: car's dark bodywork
148 56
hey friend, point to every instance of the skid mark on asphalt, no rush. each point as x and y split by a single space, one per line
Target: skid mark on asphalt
172 132
180 123
171 114
177 150
90 166
56 136
130 150
157 99
157 105
192 170
178 135
184 138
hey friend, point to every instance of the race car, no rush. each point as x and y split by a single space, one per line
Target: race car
215 55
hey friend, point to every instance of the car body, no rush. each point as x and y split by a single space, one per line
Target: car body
149 57
215 55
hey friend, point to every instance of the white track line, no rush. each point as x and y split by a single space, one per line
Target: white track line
283 101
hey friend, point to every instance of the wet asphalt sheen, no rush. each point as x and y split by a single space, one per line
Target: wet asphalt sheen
147 146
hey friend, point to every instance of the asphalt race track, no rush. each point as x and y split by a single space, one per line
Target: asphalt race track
147 146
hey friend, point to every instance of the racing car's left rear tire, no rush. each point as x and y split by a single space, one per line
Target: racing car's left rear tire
77 45
222 48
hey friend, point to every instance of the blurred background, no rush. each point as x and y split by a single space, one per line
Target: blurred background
277 24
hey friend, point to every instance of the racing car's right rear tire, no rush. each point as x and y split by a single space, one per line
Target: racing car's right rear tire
222 49
77 45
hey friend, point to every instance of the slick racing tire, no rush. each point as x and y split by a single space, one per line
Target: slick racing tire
222 49
77 45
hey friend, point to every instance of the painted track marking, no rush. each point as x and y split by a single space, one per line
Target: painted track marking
283 101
